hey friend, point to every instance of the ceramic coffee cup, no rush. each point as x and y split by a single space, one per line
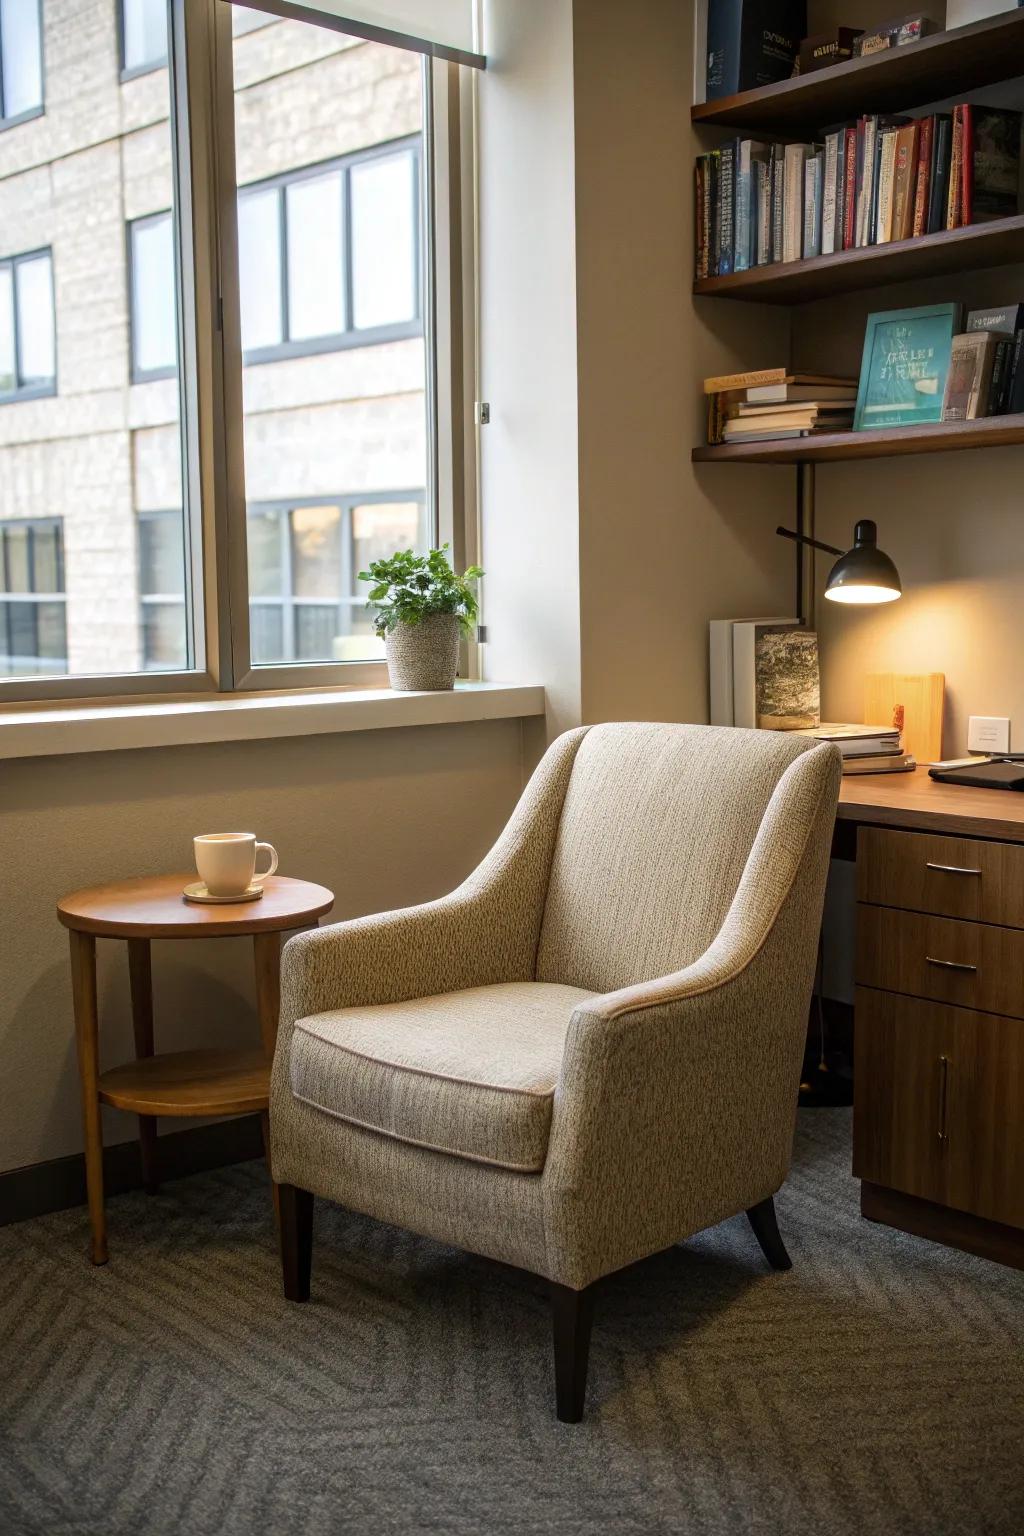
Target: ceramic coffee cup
226 862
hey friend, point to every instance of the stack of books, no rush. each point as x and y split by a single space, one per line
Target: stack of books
866 748
869 182
986 370
774 403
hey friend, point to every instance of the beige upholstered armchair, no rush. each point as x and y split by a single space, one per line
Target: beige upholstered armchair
592 1048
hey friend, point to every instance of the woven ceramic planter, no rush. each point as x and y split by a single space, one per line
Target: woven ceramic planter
424 657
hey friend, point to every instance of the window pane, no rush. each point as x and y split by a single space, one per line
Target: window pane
33 280
18 559
243 20
316 301
22 56
145 32
316 552
383 241
164 643
8 375
259 268
52 645
161 553
330 417
381 528
154 324
47 575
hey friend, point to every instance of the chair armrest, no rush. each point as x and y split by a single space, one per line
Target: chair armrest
676 1103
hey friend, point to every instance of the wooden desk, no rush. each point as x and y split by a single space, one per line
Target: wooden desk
939 1012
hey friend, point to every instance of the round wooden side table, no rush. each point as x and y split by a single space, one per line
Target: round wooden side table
207 1082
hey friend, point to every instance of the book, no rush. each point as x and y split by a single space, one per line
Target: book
956 171
856 740
714 223
867 130
1000 376
850 189
904 180
1007 322
776 408
1015 403
904 366
793 225
778 192
751 43
896 762
886 186
893 34
923 182
776 394
748 153
743 427
759 378
939 190
813 166
994 165
827 48
966 163
726 206
831 206
763 194
720 665
702 248
775 676
969 378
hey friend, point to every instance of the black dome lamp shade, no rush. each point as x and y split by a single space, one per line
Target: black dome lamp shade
864 574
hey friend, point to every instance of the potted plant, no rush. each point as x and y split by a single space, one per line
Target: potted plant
421 608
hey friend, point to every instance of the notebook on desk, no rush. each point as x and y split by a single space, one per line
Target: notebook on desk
996 773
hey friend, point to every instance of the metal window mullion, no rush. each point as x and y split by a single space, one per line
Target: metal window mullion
287 587
19 381
348 274
346 554
425 247
282 259
2 83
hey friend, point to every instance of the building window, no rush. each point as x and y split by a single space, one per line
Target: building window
21 61
27 333
305 599
164 619
143 36
151 281
33 631
329 255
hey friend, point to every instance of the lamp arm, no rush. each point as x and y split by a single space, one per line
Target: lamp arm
803 538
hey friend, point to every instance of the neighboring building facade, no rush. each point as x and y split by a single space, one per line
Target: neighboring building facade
328 158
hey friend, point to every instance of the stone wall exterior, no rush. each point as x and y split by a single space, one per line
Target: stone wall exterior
104 449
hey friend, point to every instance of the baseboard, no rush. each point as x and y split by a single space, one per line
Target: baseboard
60 1183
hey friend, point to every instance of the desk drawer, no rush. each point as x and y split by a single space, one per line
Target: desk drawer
971 964
951 876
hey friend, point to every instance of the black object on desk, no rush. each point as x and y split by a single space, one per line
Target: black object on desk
997 773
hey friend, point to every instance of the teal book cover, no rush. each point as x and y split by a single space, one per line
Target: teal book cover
903 370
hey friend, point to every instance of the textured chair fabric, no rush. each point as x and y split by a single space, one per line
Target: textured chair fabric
469 1073
673 876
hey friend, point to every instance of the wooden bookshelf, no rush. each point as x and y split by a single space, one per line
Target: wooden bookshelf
972 249
889 442
942 65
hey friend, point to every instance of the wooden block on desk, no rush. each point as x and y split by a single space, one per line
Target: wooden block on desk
912 701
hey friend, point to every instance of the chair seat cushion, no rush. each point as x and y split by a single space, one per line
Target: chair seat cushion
469 1073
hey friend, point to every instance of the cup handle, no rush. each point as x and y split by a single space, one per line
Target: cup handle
265 874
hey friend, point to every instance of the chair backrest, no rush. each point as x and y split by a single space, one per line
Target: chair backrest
655 831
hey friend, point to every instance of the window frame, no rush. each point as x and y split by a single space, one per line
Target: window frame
210 359
29 113
351 336
45 390
7 598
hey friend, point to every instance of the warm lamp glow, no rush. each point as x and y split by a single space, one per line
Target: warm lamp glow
863 595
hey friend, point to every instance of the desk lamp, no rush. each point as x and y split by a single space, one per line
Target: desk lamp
864 574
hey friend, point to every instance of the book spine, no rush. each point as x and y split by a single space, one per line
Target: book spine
764 214
886 188
955 172
865 190
792 233
1015 388
726 205
967 164
850 190
830 198
778 214
708 197
940 175
699 253
923 187
714 221
1000 376
742 201
904 174
876 187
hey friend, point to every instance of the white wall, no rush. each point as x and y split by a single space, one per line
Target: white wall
383 818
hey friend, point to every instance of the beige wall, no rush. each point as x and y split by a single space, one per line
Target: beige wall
383 818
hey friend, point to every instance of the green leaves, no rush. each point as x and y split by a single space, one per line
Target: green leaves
410 587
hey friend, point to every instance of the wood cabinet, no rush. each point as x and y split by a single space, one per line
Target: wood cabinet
939 1097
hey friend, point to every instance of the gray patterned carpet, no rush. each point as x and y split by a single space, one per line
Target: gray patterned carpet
878 1387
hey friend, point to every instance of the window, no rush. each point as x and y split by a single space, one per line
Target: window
33 631
153 287
243 20
163 619
143 36
21 61
328 255
305 600
27 340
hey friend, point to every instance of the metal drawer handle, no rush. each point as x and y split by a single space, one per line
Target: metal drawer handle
950 965
952 869
943 1098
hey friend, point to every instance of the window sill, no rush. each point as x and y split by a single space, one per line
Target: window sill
31 731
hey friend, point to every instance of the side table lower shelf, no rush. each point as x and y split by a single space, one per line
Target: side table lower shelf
209 1082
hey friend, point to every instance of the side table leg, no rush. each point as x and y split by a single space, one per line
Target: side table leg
140 973
83 986
267 953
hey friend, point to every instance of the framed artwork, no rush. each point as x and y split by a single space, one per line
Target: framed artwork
904 366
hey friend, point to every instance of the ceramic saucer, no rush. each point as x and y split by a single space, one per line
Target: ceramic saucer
198 892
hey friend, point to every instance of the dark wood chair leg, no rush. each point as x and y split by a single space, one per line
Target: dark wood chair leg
296 1230
766 1230
571 1313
